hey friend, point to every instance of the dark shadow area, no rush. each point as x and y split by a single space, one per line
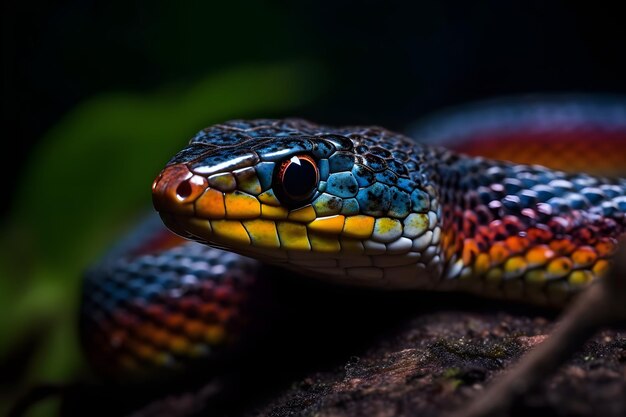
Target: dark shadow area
311 327
386 63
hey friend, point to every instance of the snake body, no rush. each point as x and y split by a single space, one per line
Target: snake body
351 205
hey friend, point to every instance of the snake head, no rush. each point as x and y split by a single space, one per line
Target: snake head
353 205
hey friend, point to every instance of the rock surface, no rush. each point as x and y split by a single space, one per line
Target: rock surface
341 352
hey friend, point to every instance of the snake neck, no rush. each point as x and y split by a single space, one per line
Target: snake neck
518 229
381 210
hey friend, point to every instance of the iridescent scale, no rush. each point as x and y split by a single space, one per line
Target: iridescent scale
387 212
503 229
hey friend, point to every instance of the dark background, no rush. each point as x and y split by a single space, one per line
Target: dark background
384 62
95 95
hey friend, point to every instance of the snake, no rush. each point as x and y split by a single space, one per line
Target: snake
358 206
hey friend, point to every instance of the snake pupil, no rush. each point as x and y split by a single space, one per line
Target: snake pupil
298 177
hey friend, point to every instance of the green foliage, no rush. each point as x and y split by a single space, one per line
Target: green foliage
89 179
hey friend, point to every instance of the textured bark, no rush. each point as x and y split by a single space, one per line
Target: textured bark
337 352
437 362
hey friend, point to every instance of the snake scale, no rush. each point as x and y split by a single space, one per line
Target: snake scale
355 206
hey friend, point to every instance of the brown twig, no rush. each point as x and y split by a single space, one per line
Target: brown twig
603 303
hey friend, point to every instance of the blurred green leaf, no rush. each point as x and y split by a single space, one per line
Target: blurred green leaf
99 162
89 177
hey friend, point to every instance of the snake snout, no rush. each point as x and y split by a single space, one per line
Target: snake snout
176 188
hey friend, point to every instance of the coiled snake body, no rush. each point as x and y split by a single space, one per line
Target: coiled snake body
355 206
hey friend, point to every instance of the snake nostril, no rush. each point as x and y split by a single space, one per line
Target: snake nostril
183 190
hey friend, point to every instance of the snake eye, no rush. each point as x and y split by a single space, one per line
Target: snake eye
297 179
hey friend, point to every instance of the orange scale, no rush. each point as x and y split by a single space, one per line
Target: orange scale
240 205
601 267
498 253
446 239
194 329
486 233
586 235
160 337
539 255
470 251
450 251
539 235
606 248
517 244
560 267
457 236
447 233
562 246
584 256
174 321
470 220
211 205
